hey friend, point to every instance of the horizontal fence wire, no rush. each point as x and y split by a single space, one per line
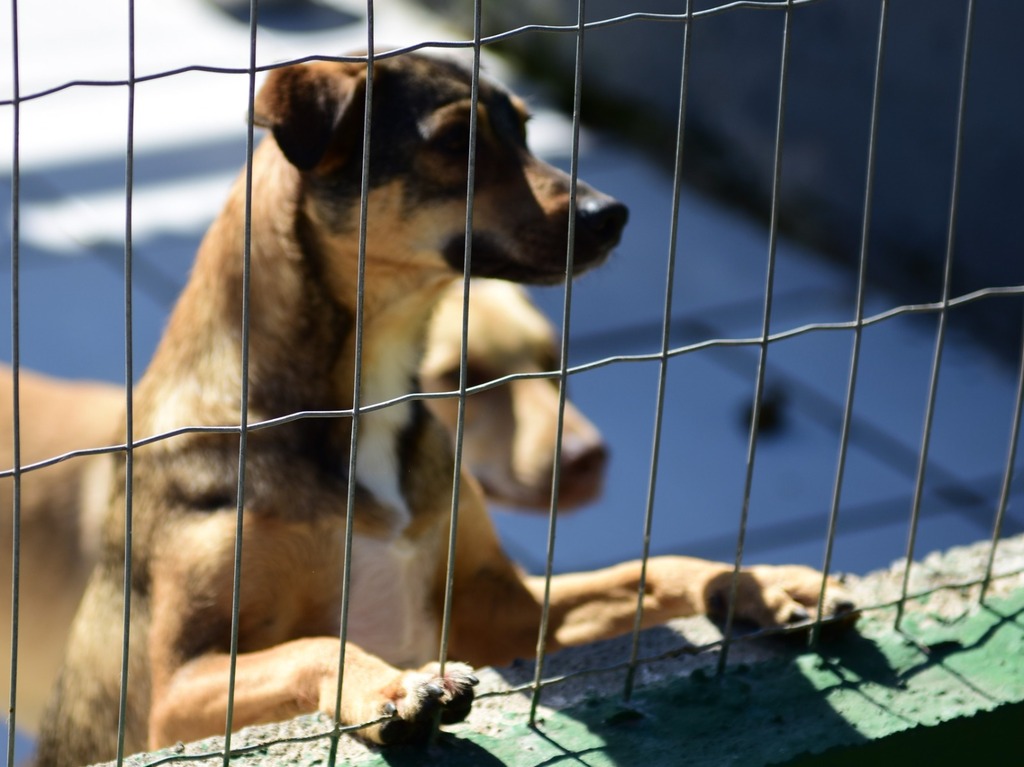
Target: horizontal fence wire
1010 291
682 650
769 5
762 343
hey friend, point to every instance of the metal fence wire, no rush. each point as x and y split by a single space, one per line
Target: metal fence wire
762 343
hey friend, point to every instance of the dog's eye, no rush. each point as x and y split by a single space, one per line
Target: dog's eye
474 377
524 119
453 139
509 120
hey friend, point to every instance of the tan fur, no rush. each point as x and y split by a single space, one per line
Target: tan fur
61 509
301 340
506 335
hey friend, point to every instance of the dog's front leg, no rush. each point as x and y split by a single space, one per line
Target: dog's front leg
496 610
600 604
301 676
594 605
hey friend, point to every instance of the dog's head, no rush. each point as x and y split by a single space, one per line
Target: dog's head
419 149
509 432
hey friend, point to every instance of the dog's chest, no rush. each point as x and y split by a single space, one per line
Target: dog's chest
389 609
378 465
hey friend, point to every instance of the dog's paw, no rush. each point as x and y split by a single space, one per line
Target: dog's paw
418 698
769 595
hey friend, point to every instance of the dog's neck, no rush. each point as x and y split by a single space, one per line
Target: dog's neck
394 321
392 347
302 331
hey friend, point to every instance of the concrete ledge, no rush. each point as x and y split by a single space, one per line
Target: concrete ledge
870 691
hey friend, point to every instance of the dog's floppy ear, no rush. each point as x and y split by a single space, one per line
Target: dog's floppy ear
306 107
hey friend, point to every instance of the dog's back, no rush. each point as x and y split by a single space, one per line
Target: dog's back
61 506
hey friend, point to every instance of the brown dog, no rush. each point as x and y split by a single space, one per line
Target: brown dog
62 508
509 445
301 348
509 433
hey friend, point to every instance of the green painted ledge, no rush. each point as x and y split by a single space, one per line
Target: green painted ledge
949 684
773 712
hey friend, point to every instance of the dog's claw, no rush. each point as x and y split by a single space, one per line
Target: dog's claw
844 606
799 615
424 694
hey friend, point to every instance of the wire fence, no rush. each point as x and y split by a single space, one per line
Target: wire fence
763 343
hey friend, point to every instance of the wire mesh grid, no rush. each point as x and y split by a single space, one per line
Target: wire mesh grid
762 343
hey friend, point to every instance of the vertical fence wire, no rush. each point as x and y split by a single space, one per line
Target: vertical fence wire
666 333
467 261
357 377
15 375
940 335
1004 492
129 453
542 632
755 416
858 331
243 414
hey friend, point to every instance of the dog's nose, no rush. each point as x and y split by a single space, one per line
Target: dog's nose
582 472
603 218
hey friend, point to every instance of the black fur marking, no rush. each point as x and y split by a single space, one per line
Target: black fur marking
488 259
409 438
403 97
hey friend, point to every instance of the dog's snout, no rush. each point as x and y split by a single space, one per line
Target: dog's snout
589 461
604 218
582 472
